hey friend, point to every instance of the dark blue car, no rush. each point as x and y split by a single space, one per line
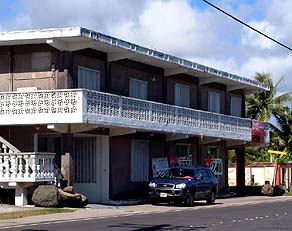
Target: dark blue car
184 184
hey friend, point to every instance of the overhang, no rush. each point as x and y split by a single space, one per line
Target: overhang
76 38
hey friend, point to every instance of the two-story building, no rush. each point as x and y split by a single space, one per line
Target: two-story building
106 107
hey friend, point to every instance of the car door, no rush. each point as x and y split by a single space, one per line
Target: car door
199 184
206 183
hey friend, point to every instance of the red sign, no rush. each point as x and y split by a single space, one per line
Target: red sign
257 132
207 161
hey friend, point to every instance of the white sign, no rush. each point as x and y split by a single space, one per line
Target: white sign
217 166
159 166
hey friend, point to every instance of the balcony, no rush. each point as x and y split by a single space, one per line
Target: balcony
80 106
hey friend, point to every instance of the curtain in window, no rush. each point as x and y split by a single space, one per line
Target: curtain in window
235 106
88 79
182 95
214 101
138 89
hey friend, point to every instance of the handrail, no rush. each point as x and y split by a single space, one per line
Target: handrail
9 145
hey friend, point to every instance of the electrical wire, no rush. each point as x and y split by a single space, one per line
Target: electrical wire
245 24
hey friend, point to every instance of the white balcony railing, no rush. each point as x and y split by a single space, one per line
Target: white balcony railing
84 106
103 108
27 167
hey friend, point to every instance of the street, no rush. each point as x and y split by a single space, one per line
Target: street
269 215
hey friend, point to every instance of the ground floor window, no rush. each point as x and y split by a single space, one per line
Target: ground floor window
85 160
139 161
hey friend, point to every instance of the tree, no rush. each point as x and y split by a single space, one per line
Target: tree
261 106
281 135
264 105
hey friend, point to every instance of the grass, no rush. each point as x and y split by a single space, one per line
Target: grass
34 212
289 193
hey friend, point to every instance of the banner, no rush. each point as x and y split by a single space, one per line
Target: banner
159 166
257 132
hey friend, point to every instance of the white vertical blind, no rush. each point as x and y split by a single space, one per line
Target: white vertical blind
214 101
138 89
139 161
88 79
182 95
235 106
85 160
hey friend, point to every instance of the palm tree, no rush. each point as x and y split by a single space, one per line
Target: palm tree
261 106
281 138
264 105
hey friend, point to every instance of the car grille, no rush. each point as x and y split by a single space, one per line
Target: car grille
165 185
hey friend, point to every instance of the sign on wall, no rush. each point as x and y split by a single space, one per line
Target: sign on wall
217 166
258 132
159 166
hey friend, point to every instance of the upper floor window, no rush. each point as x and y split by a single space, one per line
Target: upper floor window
138 89
235 106
214 101
41 61
88 79
182 95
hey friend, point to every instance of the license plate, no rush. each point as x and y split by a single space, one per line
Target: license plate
163 194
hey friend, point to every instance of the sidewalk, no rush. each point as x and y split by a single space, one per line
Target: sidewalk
96 211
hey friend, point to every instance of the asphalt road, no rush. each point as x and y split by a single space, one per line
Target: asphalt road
265 216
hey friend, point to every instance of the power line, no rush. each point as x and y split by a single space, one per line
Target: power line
245 24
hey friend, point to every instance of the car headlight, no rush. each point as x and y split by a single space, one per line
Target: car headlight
152 185
180 186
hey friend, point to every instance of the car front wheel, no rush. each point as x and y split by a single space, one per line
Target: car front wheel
189 201
211 198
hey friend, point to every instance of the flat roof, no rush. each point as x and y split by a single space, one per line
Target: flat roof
75 38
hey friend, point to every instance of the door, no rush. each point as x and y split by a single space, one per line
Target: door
88 172
199 184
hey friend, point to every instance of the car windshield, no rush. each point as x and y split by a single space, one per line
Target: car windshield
182 173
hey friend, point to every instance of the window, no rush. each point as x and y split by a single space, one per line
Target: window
88 79
235 106
41 61
213 101
182 95
182 150
139 161
138 89
213 152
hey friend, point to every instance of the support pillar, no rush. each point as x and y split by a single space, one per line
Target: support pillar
105 178
240 171
20 195
67 159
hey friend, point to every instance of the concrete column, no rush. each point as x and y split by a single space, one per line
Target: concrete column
105 169
67 160
20 195
240 171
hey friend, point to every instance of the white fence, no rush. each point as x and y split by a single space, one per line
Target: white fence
84 106
27 167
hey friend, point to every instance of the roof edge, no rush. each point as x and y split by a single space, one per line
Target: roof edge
169 58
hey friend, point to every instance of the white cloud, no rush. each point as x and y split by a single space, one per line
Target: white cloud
255 40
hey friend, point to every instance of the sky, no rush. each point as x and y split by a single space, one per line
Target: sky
188 29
